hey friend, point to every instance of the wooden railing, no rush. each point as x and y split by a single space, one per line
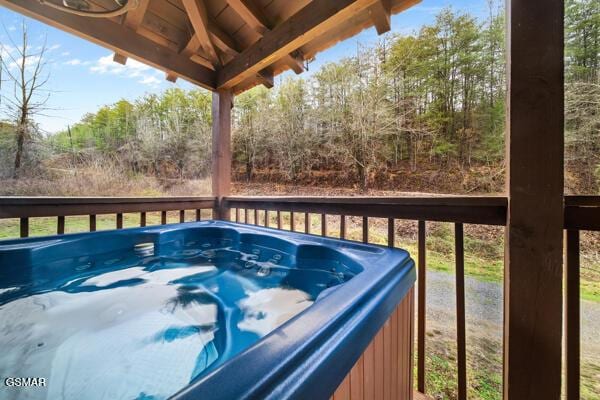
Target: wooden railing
457 210
25 208
581 213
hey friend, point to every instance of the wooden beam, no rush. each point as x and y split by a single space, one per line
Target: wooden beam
535 144
222 40
251 14
120 58
198 16
266 78
316 18
255 18
191 50
222 103
117 38
135 17
296 63
133 20
380 14
171 77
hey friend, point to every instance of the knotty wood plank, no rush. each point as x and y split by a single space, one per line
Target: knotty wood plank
356 380
387 359
535 179
369 371
378 365
394 354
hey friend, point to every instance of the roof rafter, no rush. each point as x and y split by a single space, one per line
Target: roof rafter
257 20
251 14
198 16
380 14
315 19
133 19
117 38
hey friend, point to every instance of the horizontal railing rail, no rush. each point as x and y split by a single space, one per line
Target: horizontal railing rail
489 210
60 207
581 213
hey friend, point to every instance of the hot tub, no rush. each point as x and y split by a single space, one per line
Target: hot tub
207 310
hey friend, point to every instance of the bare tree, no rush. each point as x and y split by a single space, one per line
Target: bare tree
24 67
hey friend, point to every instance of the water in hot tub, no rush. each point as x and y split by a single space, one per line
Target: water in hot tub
135 326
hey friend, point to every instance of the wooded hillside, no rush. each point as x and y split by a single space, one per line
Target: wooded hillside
423 111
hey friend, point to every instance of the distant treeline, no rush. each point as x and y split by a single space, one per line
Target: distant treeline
432 98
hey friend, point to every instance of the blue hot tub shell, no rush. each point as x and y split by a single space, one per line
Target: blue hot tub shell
305 358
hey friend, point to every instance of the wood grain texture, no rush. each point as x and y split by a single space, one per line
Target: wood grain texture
222 102
384 371
535 179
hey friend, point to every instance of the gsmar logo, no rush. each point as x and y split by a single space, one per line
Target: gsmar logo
24 381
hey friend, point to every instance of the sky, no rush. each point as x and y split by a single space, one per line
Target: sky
83 77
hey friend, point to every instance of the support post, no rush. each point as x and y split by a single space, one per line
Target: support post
222 102
533 245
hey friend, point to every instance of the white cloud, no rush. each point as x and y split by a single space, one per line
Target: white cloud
132 69
150 80
65 53
12 28
53 47
74 61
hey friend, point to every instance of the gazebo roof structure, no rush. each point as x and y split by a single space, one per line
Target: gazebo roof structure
218 44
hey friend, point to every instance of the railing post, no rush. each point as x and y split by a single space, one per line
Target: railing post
24 227
92 222
222 102
572 314
60 225
461 347
421 282
535 179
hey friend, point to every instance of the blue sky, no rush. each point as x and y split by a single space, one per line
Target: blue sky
83 76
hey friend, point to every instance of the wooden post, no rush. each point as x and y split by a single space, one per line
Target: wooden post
222 102
533 245
572 315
